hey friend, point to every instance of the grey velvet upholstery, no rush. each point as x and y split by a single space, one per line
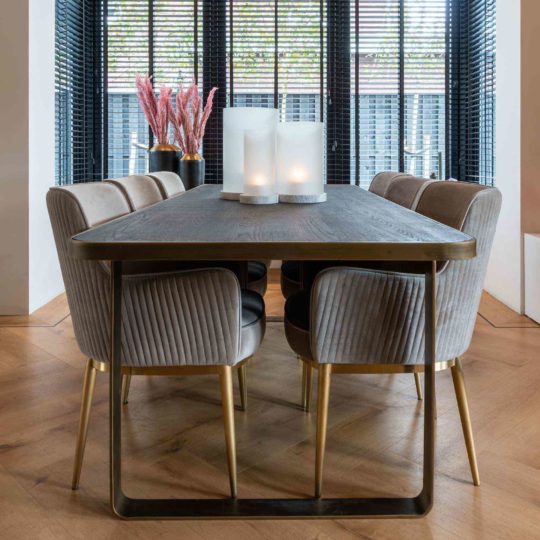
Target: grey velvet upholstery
400 188
169 183
191 317
97 202
257 277
140 191
364 316
290 278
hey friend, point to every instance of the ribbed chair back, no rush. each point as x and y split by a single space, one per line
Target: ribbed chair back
190 317
72 210
400 188
140 191
382 181
169 183
382 320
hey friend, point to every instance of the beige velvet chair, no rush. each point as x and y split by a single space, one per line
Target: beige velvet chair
379 328
174 323
169 183
140 191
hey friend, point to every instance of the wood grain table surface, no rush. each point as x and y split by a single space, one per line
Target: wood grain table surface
352 225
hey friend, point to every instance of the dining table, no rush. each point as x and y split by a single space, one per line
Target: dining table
352 225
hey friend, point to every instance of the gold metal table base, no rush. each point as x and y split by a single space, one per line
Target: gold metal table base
127 508
130 508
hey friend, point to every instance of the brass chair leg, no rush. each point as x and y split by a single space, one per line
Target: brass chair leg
323 395
307 386
418 384
86 404
242 385
227 403
127 384
461 396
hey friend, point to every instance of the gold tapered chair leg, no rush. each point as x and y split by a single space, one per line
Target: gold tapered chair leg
242 385
461 396
86 404
418 384
307 386
323 395
127 384
227 403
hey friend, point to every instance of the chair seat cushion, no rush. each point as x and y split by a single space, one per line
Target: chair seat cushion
253 323
290 277
291 270
252 307
297 323
257 277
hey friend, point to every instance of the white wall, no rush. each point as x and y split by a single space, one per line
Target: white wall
45 281
29 272
504 279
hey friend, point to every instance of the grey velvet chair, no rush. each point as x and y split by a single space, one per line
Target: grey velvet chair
174 323
371 321
170 185
401 188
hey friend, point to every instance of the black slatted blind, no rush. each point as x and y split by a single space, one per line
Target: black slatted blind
276 56
400 84
161 38
300 59
471 94
177 40
424 44
214 74
78 78
375 87
397 87
338 101
128 25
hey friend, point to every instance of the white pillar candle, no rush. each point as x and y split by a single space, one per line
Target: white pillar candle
259 162
300 159
236 120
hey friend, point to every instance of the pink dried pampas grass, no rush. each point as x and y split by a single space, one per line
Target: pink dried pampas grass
157 110
190 119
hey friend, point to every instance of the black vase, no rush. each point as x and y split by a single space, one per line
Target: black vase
164 158
192 171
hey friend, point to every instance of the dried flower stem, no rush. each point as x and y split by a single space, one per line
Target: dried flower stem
190 120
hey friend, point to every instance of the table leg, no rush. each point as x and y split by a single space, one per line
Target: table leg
115 390
228 508
430 310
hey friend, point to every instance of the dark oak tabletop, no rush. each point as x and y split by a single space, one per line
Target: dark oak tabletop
352 225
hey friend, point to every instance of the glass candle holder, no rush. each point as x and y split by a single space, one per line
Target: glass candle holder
300 162
236 120
260 185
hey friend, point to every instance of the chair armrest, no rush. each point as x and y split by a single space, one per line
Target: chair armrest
367 317
190 317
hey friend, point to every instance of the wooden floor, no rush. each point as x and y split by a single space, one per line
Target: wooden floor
173 440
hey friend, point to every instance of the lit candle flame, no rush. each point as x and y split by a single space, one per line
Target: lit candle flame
258 180
298 175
